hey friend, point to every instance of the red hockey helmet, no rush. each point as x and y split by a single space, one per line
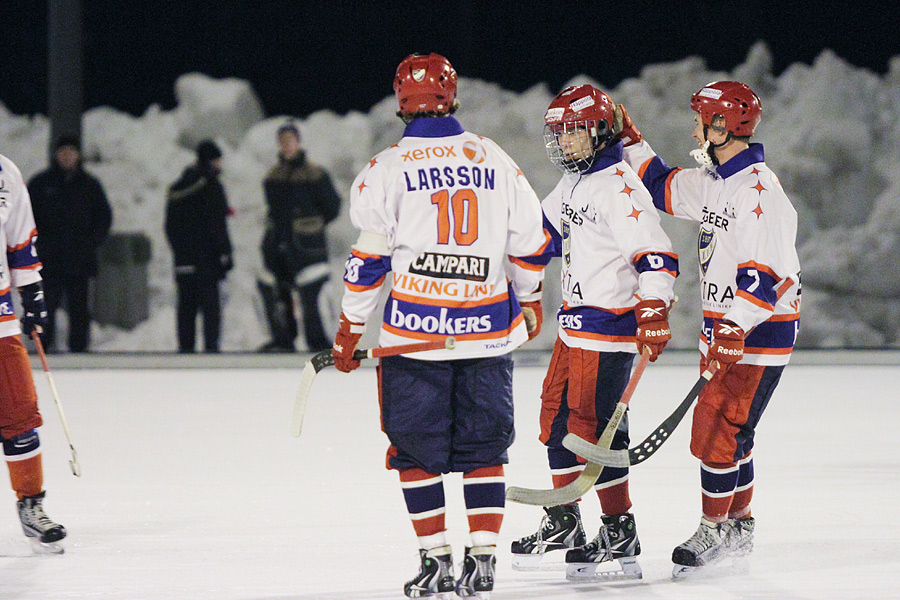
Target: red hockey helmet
733 101
425 83
581 108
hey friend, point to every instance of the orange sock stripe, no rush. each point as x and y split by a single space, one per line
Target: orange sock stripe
565 479
430 525
26 476
716 509
416 474
615 500
492 471
486 522
740 506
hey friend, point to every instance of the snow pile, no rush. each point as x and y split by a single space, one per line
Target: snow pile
829 130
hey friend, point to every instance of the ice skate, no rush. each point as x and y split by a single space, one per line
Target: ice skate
41 531
616 541
706 547
435 577
477 579
739 541
560 530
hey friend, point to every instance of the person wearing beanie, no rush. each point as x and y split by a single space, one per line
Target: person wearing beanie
73 214
301 201
196 228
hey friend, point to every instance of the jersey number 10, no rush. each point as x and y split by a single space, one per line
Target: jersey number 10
463 207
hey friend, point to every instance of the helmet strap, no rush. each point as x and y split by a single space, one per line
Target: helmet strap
709 147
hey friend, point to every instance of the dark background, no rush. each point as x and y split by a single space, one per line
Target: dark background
302 56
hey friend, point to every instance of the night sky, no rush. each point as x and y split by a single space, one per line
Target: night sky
302 56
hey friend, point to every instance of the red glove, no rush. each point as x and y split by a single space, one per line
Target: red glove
624 128
534 317
653 330
727 343
345 343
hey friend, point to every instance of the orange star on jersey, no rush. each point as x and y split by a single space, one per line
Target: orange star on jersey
635 213
627 190
620 172
372 163
759 187
758 210
361 186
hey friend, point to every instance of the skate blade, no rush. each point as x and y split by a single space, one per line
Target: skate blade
721 567
537 562
39 547
629 569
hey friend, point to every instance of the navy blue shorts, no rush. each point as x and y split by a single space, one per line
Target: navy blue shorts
447 416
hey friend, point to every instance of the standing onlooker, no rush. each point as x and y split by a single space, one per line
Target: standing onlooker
195 225
618 277
74 217
19 414
449 218
750 288
301 201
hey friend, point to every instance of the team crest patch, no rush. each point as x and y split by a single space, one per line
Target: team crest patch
566 243
474 152
418 74
706 245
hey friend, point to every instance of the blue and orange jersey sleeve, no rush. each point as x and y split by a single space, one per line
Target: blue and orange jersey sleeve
657 177
364 272
364 275
541 258
756 284
661 262
24 256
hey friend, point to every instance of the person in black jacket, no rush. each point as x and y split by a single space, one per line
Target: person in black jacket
301 201
195 225
73 215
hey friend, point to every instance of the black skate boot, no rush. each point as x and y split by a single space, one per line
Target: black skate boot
560 530
435 578
739 541
477 579
617 540
38 526
705 547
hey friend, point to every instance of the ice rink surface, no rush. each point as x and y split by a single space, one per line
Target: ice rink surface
193 488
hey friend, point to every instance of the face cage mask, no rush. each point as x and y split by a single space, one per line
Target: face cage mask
557 155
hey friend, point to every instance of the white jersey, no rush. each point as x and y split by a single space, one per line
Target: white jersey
749 269
459 219
614 253
19 265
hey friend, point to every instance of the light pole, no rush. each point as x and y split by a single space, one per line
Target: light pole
64 68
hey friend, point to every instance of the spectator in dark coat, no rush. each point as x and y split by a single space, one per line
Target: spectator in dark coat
301 201
195 225
73 216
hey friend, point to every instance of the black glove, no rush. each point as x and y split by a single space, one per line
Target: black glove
34 308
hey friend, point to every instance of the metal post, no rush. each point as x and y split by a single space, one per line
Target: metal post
64 68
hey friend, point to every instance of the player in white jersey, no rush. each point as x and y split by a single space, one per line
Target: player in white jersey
750 287
19 415
449 220
618 273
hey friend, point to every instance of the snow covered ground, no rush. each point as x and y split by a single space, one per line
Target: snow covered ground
192 488
829 128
